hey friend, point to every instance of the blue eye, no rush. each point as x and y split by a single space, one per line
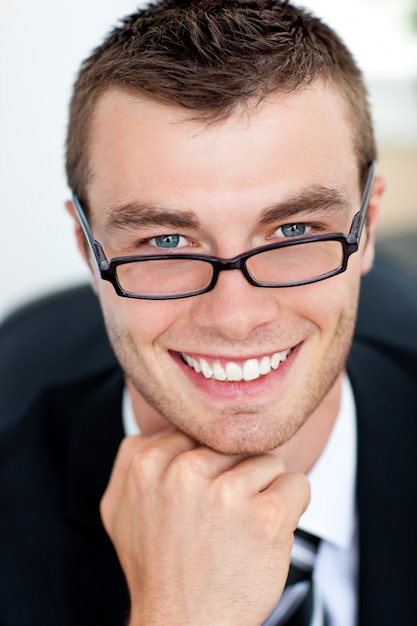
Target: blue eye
171 241
293 230
167 241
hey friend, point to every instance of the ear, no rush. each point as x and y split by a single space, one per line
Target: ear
371 223
81 243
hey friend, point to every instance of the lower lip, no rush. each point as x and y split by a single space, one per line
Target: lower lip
233 390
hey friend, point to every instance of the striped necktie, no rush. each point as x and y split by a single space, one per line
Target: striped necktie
296 606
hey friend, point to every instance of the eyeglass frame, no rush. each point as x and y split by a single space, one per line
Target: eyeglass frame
350 245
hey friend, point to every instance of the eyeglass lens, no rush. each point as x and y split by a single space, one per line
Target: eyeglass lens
275 267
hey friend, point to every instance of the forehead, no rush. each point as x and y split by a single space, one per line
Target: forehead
143 150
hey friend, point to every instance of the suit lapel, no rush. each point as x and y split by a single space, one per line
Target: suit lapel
95 432
387 408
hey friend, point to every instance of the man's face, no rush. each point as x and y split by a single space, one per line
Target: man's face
209 185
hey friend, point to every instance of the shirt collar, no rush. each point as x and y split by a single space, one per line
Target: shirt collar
130 425
331 512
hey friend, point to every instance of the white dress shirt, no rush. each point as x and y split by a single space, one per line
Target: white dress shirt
330 515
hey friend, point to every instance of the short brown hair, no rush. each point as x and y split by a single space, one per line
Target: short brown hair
211 56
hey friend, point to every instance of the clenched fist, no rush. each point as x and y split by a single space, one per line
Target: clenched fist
203 538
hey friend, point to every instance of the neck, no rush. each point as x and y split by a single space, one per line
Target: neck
305 447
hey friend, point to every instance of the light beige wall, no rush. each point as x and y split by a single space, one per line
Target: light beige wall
399 207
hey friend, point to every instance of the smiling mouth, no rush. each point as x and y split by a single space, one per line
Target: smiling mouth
230 371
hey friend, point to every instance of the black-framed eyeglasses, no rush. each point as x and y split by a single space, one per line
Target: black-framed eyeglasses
301 261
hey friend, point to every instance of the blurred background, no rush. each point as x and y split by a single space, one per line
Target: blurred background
42 43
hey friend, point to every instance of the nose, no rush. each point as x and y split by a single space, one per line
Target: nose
235 308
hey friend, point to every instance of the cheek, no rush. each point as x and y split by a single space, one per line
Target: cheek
325 303
141 321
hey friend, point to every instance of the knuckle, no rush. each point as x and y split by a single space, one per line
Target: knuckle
278 512
229 488
128 445
301 490
145 464
274 516
187 467
272 532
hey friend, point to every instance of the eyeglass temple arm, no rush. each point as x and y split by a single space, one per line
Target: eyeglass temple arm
93 244
359 219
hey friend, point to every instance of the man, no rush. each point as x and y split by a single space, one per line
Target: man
221 158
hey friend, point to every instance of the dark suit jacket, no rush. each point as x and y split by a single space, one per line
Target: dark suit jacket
57 566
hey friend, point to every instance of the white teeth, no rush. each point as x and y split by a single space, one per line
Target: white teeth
275 360
218 372
232 372
251 370
206 370
265 365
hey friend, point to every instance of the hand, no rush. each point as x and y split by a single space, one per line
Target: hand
203 538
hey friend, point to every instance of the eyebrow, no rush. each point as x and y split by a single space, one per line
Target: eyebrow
137 215
323 200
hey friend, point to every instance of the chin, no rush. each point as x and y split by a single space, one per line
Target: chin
241 440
